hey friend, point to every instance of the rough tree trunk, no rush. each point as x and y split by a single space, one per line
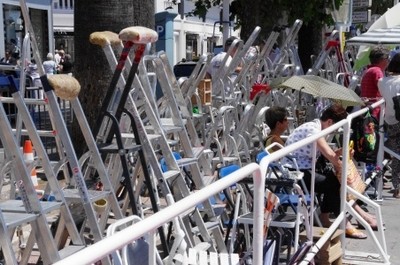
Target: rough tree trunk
90 67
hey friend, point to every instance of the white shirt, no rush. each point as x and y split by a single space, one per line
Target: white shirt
389 87
215 66
303 155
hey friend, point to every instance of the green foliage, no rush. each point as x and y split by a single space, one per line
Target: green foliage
202 6
306 10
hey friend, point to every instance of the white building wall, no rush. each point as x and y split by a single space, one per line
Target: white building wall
193 25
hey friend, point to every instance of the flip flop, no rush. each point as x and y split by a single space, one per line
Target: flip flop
355 233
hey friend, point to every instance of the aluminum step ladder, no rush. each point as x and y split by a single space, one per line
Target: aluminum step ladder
189 146
67 87
30 202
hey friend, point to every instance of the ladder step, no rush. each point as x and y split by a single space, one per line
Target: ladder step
15 219
94 195
207 180
208 225
69 250
168 129
186 161
171 174
43 133
113 148
151 137
17 206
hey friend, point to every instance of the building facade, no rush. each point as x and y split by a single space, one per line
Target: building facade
192 35
13 28
63 19
54 22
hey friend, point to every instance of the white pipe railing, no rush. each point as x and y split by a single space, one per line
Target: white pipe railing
110 244
117 241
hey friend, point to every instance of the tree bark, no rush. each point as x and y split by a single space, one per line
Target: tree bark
90 67
309 43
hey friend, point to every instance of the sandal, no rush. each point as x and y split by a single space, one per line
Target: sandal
355 233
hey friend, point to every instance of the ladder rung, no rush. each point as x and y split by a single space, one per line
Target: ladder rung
113 148
43 133
17 206
207 180
15 219
167 128
28 101
69 250
171 174
186 161
149 136
94 195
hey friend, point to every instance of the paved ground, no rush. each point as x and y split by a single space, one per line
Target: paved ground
391 214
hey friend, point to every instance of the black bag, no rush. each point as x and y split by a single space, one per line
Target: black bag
366 138
396 105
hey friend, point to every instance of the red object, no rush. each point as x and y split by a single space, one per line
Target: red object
257 88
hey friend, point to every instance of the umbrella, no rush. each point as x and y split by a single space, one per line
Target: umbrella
382 36
389 19
320 87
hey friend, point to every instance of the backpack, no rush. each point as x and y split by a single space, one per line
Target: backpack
366 138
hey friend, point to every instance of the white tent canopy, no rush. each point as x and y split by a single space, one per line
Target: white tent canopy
383 36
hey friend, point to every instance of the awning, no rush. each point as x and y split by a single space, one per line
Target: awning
384 36
63 29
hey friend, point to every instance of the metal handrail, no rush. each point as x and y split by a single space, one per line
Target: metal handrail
148 226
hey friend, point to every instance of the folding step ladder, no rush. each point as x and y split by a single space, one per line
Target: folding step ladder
67 87
30 202
188 143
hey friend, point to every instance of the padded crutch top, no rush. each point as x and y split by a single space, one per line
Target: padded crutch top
139 35
103 38
64 86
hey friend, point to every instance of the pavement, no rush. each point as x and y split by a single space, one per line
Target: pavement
391 215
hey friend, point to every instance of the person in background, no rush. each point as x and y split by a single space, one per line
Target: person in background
389 87
49 65
59 60
66 65
8 59
276 119
57 57
216 61
379 58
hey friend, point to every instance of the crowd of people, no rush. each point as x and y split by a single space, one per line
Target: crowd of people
59 63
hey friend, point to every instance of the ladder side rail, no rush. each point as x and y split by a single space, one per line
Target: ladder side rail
22 82
70 154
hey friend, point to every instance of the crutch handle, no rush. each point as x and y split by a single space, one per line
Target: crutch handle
64 86
105 38
138 35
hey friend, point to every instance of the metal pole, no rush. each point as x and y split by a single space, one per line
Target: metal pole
225 19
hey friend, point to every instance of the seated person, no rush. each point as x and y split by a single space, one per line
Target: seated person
326 183
276 119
